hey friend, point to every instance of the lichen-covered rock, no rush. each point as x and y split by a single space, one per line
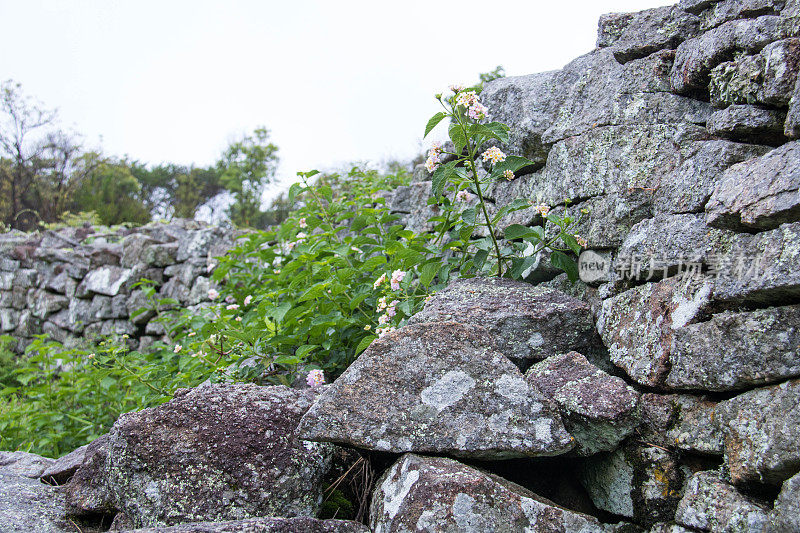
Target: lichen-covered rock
300 524
642 482
438 494
760 268
604 221
727 10
438 387
649 74
748 123
654 29
666 244
87 491
63 468
737 350
105 280
737 82
781 69
711 504
417 219
528 104
599 410
761 193
614 159
217 452
792 126
638 325
690 185
527 323
29 506
695 57
761 429
695 427
785 515
24 464
610 27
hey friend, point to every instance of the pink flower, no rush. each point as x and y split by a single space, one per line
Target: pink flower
542 209
213 294
477 111
302 223
248 299
432 163
379 281
391 310
494 154
508 174
315 378
232 307
383 319
397 277
464 196
581 241
456 87
177 348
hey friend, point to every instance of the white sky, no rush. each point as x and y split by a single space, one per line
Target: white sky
334 81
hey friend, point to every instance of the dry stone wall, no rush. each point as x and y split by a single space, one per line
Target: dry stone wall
76 283
660 394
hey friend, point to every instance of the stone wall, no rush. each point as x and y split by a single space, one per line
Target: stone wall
75 283
659 395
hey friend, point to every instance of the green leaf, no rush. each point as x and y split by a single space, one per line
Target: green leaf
304 350
468 216
457 136
518 231
565 263
278 312
433 122
570 241
365 342
480 258
499 131
428 272
441 176
514 163
519 266
294 190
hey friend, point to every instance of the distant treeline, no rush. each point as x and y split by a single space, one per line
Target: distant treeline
46 174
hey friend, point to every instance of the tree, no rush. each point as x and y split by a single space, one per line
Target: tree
175 190
22 119
111 190
247 166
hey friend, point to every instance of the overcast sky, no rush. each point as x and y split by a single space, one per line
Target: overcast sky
334 81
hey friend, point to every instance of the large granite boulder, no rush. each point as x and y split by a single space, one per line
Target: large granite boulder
24 464
87 492
748 123
527 323
654 29
737 350
759 194
438 494
711 504
29 506
599 410
217 452
761 429
439 387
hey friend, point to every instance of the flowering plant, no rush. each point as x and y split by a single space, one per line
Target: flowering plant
473 166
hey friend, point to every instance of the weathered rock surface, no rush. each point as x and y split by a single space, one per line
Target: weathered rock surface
761 268
105 280
29 506
689 186
638 326
654 29
87 491
761 430
792 127
527 323
695 57
748 123
785 515
300 524
711 504
610 27
737 350
437 387
65 467
635 481
761 193
214 453
599 410
438 494
24 464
